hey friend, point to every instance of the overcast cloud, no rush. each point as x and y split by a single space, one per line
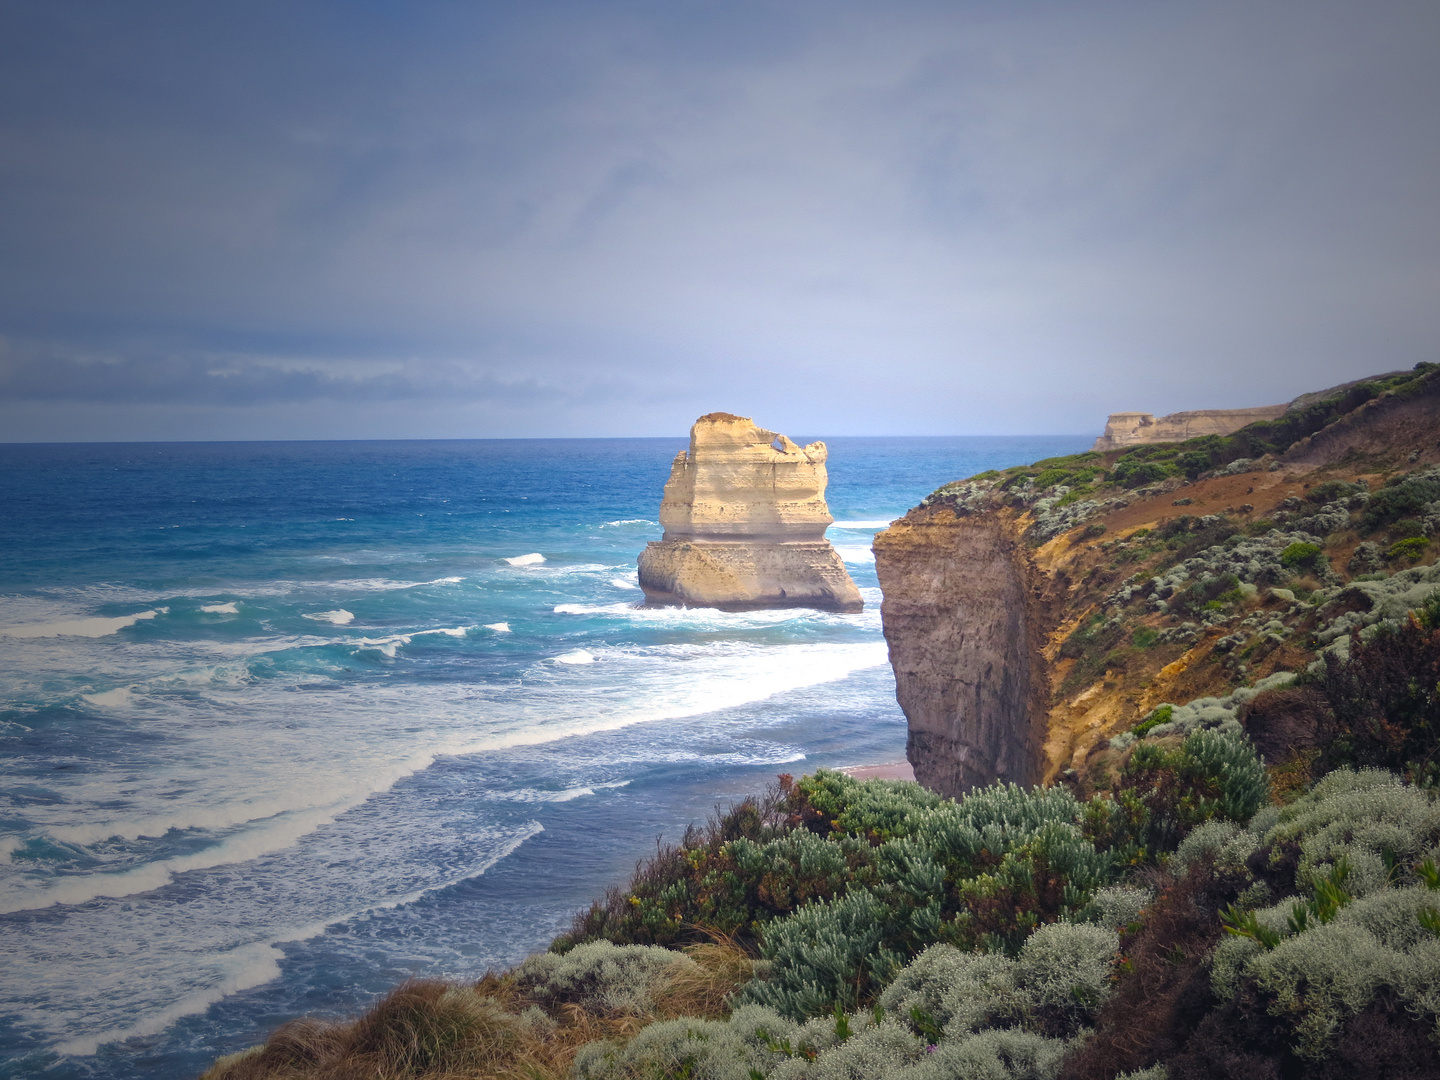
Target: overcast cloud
351 220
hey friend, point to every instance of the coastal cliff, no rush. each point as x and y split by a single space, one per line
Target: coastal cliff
964 619
744 515
1035 613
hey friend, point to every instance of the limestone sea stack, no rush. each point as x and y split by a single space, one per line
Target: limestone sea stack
744 516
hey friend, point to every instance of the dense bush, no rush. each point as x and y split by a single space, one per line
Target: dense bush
1131 472
1355 923
1407 550
1300 555
1406 498
1167 792
1385 697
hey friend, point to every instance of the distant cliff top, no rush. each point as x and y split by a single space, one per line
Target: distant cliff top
1137 428
1142 429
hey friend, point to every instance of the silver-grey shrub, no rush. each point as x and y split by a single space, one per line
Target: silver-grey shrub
1121 905
1380 829
1065 967
600 975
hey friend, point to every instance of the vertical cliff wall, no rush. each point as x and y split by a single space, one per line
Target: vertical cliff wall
963 620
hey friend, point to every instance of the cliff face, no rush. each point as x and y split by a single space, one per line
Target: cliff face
1034 614
964 629
1138 428
745 517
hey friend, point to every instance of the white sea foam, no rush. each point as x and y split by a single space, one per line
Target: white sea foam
197 952
339 617
112 699
855 554
575 656
628 521
538 795
337 849
498 627
9 844
222 609
868 524
694 618
98 626
533 559
625 583
239 969
386 646
451 631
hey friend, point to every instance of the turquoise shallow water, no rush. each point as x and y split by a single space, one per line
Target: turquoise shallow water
281 724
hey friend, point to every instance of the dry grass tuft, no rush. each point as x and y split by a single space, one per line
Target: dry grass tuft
723 966
489 1031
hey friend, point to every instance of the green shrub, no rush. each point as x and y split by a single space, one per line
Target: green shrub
1407 550
753 1042
1167 792
1130 472
1159 715
1210 589
827 953
1300 555
1193 462
1051 477
876 809
1357 928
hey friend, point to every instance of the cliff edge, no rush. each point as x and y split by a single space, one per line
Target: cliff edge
744 515
1034 613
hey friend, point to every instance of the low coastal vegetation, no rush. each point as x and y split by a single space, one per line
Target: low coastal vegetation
1197 914
1237 875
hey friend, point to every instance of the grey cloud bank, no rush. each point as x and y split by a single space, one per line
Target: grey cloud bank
374 220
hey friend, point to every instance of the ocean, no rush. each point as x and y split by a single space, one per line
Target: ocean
282 724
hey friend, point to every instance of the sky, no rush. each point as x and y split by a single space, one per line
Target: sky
326 220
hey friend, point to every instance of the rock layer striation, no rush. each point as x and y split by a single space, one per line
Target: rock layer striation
744 515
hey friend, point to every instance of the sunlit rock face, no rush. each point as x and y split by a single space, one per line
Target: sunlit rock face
744 516
1136 428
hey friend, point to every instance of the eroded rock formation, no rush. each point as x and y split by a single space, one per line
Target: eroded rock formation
1124 429
966 640
744 516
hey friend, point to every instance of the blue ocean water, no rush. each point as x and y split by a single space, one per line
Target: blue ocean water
284 723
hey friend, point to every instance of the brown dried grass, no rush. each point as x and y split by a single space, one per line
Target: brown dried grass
441 1031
